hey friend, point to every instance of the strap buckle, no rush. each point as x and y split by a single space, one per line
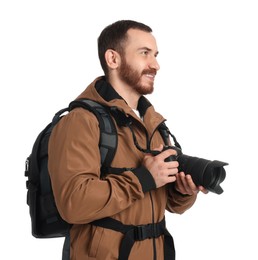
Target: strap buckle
140 232
143 232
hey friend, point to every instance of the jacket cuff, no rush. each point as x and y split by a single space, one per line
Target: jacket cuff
145 178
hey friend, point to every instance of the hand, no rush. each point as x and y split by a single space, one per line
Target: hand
185 185
161 171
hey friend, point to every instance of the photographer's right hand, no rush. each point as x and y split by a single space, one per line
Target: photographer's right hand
161 171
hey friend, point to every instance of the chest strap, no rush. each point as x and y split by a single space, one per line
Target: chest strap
138 233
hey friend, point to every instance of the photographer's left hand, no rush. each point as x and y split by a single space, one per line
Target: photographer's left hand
185 185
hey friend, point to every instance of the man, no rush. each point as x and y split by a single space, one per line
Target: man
132 203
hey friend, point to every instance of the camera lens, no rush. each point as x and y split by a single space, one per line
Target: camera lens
209 174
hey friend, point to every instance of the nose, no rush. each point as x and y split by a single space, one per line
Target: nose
154 64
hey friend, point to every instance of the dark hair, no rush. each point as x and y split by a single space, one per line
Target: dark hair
113 37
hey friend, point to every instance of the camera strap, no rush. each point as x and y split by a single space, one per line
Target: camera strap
126 121
165 133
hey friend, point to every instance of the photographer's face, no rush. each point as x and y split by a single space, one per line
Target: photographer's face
139 65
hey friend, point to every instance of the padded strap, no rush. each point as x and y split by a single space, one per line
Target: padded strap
108 133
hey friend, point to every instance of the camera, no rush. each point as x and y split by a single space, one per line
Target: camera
209 174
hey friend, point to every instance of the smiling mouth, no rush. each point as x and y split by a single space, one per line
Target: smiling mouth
150 73
150 76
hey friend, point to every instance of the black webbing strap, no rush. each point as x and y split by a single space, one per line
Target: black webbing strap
108 133
138 233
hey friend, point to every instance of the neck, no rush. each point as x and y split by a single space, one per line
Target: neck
126 92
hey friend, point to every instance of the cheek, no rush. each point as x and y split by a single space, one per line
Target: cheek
137 64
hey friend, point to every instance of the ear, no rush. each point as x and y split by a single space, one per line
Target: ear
112 58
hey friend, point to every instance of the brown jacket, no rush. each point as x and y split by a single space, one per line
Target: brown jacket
131 197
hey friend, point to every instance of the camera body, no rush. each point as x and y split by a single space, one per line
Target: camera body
209 174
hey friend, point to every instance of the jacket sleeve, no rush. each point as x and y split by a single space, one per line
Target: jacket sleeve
74 167
177 202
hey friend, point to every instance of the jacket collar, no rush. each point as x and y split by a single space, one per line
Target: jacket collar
108 93
101 91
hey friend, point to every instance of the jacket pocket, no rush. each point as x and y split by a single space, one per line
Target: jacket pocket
97 233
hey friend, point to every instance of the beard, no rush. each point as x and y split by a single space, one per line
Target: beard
133 78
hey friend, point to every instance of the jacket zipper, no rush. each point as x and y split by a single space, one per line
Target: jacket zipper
152 204
148 142
153 221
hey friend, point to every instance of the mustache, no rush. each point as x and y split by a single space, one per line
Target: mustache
149 71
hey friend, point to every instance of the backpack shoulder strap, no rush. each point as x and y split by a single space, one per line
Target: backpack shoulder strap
108 132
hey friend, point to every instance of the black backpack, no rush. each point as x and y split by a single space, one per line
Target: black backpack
45 219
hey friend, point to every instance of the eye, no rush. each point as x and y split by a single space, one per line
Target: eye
145 52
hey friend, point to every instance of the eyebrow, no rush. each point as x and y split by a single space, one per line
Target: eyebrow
148 49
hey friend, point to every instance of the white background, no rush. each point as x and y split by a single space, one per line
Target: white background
205 88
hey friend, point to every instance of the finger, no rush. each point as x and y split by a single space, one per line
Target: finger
173 165
167 153
171 178
172 171
190 183
179 184
203 190
185 182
